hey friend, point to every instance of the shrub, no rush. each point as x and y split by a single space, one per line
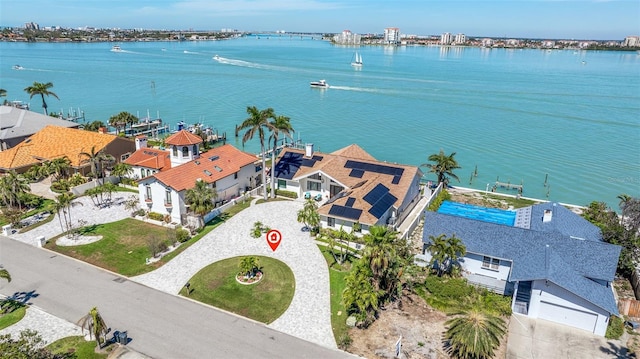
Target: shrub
444 195
182 235
615 328
288 194
448 288
156 216
60 186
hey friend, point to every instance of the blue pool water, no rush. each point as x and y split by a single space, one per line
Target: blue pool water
484 214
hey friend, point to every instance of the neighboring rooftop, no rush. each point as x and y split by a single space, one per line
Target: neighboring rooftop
150 158
183 138
17 123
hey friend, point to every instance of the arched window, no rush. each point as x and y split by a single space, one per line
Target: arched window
175 151
195 150
185 151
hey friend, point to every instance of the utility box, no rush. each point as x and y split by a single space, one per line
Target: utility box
6 230
41 241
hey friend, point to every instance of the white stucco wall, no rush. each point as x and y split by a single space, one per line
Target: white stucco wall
542 291
473 263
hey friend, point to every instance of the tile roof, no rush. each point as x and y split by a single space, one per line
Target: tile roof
212 165
182 138
53 142
150 158
567 261
360 175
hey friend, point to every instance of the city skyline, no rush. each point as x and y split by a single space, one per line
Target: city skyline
596 20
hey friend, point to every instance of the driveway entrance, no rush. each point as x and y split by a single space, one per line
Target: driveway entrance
541 339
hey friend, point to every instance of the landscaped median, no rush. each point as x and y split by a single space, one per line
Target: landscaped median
263 301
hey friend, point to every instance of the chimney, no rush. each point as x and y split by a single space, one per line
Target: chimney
141 142
548 214
308 151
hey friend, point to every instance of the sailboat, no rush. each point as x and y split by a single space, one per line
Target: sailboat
357 60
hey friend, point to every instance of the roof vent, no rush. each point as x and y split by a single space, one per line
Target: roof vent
548 214
207 172
213 158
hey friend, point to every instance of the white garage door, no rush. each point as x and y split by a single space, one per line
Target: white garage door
568 316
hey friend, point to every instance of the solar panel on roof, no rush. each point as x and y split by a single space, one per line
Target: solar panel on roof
380 207
288 165
377 168
345 212
356 173
350 202
308 162
396 180
317 158
376 193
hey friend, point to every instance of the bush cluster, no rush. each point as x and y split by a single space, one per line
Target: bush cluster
156 216
444 195
182 235
615 329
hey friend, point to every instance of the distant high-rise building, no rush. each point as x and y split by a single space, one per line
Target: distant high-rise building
31 26
392 35
347 38
461 39
631 41
446 38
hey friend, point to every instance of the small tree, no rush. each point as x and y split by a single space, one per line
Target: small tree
5 275
475 334
445 252
95 325
309 214
249 266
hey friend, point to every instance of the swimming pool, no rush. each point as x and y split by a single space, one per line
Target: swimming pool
478 213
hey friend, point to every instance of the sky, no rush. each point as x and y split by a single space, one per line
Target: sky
550 19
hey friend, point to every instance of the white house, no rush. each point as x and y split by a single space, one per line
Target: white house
350 185
228 170
147 161
552 261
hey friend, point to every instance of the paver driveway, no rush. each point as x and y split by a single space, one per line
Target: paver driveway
309 315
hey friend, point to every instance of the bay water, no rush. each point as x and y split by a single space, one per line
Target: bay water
564 123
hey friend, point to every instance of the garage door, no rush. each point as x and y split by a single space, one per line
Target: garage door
568 316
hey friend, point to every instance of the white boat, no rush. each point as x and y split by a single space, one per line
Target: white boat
17 67
319 84
116 48
357 60
217 58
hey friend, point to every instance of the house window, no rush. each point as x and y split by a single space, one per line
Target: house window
490 263
316 176
313 186
147 196
195 149
167 197
175 151
331 222
235 175
125 156
282 183
185 151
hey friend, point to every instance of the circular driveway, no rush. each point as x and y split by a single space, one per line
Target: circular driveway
309 314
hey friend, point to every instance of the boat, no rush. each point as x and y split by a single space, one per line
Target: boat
17 67
217 58
319 84
116 48
357 60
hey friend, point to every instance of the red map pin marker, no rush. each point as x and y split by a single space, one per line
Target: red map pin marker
273 238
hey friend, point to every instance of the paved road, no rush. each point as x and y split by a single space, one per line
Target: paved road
160 325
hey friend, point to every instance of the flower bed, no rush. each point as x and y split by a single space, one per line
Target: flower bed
242 279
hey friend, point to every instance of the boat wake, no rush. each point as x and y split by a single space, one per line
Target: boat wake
359 89
191 52
241 63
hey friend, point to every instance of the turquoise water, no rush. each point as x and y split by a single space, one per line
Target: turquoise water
518 115
491 215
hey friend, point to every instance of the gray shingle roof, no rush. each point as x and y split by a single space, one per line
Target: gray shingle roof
564 222
570 264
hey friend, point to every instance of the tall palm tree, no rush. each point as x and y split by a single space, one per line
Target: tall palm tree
122 170
97 161
445 252
41 89
5 275
383 259
443 166
12 187
200 198
279 125
256 123
62 205
122 119
624 199
95 325
474 335
360 295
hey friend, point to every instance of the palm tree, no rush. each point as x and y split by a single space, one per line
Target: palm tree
256 123
95 325
122 170
359 295
12 187
474 335
41 89
5 275
383 259
200 198
443 166
445 252
624 199
309 214
96 160
62 205
122 120
249 266
280 124
59 167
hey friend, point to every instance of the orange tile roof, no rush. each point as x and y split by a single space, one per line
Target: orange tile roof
182 138
150 158
333 166
208 168
53 142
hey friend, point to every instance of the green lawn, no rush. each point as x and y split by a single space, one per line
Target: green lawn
12 318
124 245
81 348
337 274
264 301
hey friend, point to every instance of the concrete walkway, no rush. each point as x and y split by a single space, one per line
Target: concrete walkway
49 327
309 315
